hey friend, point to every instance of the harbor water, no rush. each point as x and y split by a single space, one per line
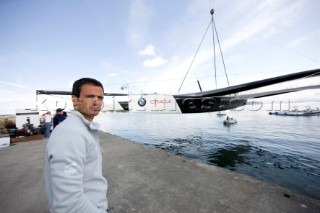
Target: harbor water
284 150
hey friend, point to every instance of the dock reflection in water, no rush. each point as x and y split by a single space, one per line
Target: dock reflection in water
229 157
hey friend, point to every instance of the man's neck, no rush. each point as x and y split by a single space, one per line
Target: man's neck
88 118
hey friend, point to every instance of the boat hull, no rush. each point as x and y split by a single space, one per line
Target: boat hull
182 104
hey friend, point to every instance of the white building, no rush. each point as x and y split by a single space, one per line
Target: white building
24 116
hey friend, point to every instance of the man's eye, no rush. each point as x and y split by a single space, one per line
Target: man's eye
94 97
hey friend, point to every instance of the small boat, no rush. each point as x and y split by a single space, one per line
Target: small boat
221 114
229 121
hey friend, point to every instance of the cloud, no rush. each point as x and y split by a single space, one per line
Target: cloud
111 70
3 59
12 84
112 74
70 85
155 62
17 98
139 17
148 50
260 22
299 41
32 56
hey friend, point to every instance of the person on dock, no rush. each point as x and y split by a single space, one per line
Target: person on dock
65 114
47 124
58 118
73 170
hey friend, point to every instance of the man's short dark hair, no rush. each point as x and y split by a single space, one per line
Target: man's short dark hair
76 89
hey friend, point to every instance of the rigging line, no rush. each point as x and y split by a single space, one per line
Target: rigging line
194 56
278 45
214 49
208 113
131 85
224 65
283 47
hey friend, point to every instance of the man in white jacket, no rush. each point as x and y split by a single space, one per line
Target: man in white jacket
73 170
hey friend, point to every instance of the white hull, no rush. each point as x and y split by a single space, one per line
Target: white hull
230 121
307 112
4 142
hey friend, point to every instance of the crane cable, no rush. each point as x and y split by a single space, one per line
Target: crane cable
195 56
214 31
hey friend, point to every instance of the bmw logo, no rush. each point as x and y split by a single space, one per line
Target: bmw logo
142 102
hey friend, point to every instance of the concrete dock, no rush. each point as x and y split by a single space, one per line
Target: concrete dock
146 180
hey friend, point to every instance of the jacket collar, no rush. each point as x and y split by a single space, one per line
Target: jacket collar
91 125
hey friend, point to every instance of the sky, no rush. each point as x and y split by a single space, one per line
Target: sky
147 46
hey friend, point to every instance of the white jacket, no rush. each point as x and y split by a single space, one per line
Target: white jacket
73 170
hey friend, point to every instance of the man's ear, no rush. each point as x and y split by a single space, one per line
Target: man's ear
74 99
76 102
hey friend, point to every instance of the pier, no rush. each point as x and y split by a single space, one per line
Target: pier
146 180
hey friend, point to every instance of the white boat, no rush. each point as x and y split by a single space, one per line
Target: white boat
306 112
229 121
4 142
221 114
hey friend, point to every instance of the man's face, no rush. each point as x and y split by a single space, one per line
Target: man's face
90 101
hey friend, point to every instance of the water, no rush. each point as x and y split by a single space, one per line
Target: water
280 149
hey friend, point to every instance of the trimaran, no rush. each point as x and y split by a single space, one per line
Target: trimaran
204 101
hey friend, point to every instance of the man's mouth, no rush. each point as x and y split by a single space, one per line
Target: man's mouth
95 109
